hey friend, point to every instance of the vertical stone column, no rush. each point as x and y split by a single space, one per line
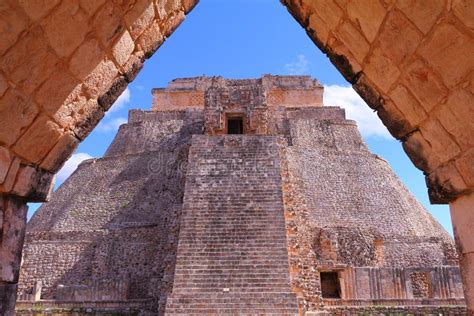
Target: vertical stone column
37 291
462 216
13 223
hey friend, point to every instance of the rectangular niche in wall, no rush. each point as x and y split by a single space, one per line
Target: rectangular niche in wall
235 125
330 286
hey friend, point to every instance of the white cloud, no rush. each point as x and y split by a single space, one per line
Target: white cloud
121 101
70 166
298 67
356 109
111 124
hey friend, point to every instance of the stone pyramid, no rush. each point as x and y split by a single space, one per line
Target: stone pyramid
238 197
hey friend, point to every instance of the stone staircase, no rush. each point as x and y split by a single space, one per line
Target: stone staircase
232 254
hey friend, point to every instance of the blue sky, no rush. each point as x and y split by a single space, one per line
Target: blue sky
245 39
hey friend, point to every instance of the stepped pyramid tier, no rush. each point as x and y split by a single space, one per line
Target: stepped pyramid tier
238 197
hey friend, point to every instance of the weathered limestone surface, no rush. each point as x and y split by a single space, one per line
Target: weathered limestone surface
347 187
110 233
186 93
463 224
62 65
13 224
346 210
412 62
243 219
232 254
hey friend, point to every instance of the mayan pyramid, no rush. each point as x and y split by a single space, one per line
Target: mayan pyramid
238 197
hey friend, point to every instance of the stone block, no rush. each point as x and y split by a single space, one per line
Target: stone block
365 88
60 153
420 152
462 217
353 39
367 15
299 10
445 184
91 7
3 85
463 10
441 141
133 66
13 233
73 104
172 23
107 23
86 58
318 30
456 116
188 5
12 23
166 8
343 59
466 167
329 12
30 62
362 279
53 93
16 113
381 70
394 120
38 140
37 9
408 105
177 100
450 53
423 13
398 38
107 99
424 85
151 40
33 184
140 17
66 27
5 162
467 274
100 79
9 180
123 48
471 85
90 116
124 5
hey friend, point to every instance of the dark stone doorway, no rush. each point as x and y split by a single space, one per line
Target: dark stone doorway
235 125
330 287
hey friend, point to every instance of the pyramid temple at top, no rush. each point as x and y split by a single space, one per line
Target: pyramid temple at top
238 197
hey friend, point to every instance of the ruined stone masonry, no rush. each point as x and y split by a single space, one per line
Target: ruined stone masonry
238 197
410 60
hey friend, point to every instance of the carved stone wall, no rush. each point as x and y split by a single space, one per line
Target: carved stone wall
347 210
342 208
411 62
116 218
93 49
421 84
